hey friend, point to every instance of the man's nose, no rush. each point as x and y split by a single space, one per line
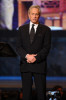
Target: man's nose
34 15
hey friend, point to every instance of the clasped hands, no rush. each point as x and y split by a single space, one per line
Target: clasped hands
30 58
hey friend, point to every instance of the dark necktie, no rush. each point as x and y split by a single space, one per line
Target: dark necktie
32 33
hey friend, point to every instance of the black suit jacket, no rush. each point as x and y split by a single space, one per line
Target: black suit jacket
40 46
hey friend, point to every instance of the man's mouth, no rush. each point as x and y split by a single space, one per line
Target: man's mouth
34 19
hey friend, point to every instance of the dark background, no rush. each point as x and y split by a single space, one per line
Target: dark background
10 60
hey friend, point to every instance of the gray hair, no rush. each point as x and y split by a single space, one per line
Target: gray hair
34 6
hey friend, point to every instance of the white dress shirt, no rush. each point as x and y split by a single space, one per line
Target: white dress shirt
35 27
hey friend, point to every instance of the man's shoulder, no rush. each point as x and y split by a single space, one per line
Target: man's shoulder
44 26
23 26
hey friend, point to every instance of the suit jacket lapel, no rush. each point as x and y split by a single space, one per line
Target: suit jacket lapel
27 34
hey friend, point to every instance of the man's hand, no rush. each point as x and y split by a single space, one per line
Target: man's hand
31 58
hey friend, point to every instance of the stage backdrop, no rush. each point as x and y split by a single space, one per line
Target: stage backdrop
13 13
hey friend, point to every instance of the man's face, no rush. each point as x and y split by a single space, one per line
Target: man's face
34 15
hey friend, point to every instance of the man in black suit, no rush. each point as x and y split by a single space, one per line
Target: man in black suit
34 43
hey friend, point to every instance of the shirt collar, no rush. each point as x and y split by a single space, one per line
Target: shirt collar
35 26
33 23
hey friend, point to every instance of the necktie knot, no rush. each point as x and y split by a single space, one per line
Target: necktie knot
32 29
32 25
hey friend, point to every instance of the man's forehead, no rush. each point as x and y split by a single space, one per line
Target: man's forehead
34 10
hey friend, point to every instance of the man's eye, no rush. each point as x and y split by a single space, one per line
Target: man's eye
32 14
37 14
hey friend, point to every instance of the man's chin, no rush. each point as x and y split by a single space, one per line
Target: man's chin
35 22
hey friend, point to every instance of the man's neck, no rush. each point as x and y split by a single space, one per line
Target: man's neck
34 23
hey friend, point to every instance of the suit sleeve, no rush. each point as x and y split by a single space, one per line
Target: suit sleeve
43 53
20 50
